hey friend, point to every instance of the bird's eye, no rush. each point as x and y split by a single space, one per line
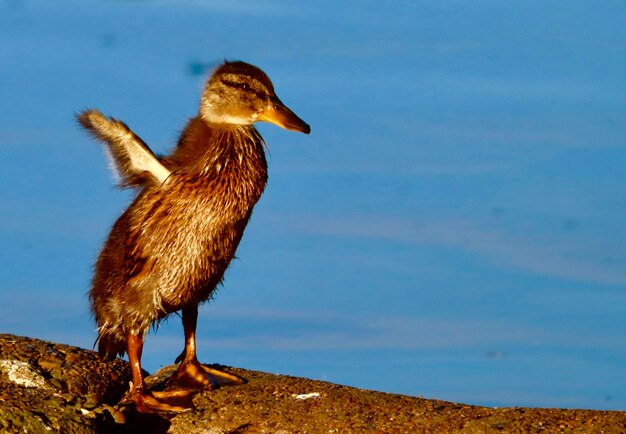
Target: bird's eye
245 86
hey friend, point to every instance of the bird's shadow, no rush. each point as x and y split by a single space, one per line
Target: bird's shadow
133 422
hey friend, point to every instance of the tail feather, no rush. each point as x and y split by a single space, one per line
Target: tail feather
132 160
110 347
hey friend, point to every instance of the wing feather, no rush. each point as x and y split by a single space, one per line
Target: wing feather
133 161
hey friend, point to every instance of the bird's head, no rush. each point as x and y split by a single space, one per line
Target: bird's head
240 94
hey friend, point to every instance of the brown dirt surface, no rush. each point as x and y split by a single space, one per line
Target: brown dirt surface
67 389
48 387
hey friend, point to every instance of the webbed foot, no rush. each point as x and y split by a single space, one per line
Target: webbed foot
167 401
196 376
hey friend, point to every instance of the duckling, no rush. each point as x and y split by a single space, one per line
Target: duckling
169 249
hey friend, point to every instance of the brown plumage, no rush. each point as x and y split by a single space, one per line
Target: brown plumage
169 250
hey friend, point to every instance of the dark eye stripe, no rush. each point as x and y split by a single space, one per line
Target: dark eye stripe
235 84
244 86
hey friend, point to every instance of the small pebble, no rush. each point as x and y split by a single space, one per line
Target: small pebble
307 395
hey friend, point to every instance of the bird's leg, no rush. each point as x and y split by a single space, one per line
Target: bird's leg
146 401
190 372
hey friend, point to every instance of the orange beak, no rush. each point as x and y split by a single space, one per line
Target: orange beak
277 113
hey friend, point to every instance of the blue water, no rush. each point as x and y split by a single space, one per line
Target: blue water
454 227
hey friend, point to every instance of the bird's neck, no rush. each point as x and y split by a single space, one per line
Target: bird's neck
204 146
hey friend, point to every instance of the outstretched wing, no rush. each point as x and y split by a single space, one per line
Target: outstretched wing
133 161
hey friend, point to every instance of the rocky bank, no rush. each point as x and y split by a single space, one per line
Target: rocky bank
47 387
